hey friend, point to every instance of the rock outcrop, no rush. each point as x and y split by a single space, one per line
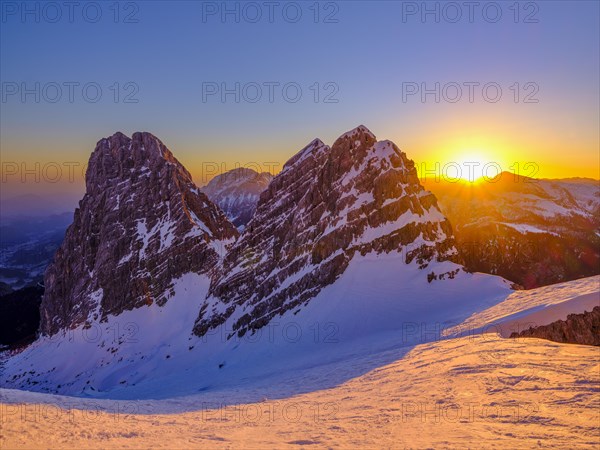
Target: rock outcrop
141 224
577 329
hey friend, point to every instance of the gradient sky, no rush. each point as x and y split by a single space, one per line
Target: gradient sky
368 54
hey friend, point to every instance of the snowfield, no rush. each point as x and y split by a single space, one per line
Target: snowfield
478 392
418 386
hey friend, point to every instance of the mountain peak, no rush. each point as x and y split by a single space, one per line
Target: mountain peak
315 148
360 130
328 208
119 158
357 138
141 224
143 139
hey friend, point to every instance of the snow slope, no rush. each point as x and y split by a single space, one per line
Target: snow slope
483 392
379 302
534 307
393 391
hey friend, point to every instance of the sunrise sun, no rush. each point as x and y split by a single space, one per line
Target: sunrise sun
471 166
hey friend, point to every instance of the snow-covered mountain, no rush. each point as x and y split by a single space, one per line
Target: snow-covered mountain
237 193
330 207
346 254
533 232
141 224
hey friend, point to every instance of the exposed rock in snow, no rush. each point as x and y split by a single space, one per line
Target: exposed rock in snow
340 310
345 245
581 328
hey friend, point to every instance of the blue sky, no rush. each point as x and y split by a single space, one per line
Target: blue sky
367 55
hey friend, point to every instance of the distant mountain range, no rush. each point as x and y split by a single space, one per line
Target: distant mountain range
36 205
27 246
534 232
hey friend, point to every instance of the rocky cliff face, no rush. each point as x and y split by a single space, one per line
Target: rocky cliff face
141 224
533 232
577 329
328 204
237 193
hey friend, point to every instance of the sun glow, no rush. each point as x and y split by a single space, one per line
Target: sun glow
474 166
456 156
467 166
